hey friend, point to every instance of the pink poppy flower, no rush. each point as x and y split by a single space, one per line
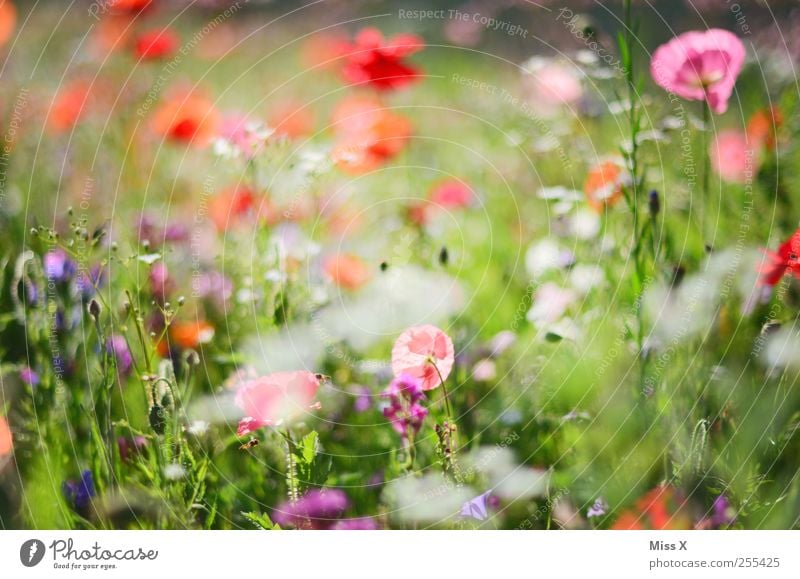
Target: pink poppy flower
733 157
452 193
6 445
700 66
419 351
275 399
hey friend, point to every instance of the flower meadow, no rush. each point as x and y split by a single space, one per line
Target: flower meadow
399 265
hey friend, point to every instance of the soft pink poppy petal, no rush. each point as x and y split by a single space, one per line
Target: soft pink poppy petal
417 350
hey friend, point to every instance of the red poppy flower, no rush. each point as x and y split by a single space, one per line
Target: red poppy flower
128 6
658 509
603 185
190 334
379 63
69 105
347 271
156 44
369 134
6 444
8 20
763 126
786 259
291 119
186 116
235 204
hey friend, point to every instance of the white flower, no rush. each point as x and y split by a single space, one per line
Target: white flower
174 471
545 256
550 302
585 224
584 277
428 499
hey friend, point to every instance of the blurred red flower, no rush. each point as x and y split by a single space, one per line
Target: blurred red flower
347 271
186 116
603 185
156 44
8 20
69 105
786 259
291 119
660 508
369 134
379 62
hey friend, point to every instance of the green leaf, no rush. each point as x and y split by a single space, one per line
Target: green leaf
262 521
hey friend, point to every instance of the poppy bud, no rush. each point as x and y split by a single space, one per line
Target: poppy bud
94 309
654 203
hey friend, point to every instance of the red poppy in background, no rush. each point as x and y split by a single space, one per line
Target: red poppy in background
379 62
369 134
69 105
156 44
658 509
291 119
129 6
603 185
234 204
8 20
191 334
785 260
452 194
763 126
186 116
347 271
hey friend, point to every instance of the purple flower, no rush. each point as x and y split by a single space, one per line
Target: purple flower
477 508
405 409
317 509
28 376
598 509
58 267
128 447
214 286
362 524
723 514
363 399
118 347
79 493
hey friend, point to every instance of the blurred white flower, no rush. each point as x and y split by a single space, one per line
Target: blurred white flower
585 224
782 348
584 278
550 302
546 255
429 499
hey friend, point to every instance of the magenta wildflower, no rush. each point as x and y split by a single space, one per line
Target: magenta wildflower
317 509
405 409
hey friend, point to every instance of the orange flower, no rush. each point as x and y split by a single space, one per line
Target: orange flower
346 270
763 125
190 334
603 186
369 134
69 105
6 443
188 117
658 509
291 120
8 20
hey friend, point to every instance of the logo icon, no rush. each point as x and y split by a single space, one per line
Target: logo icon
32 552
